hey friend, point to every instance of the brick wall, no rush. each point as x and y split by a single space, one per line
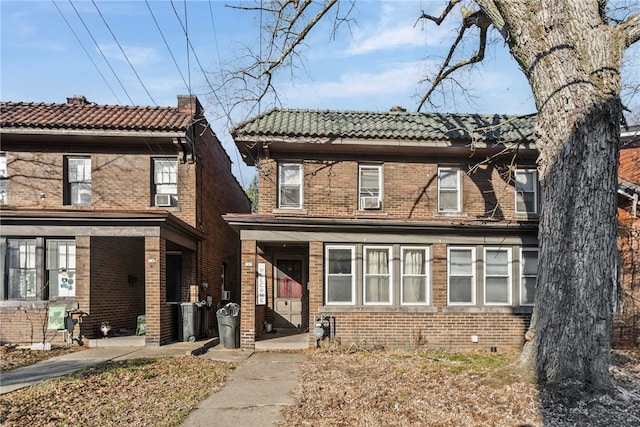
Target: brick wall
113 298
626 328
219 193
410 190
436 326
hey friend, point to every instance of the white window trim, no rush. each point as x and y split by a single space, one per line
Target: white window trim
353 275
364 274
535 191
427 269
521 284
509 278
458 189
75 181
360 168
473 275
301 170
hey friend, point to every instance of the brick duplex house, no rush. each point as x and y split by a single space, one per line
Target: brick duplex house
115 211
401 228
627 323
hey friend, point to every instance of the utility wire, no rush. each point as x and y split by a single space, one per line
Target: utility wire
187 86
124 53
101 52
186 33
86 51
215 35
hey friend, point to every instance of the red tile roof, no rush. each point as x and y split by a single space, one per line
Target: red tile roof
80 114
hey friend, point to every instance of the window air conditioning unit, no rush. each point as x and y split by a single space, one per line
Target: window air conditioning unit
226 295
370 202
163 199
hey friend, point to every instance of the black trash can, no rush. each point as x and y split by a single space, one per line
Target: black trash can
189 321
229 325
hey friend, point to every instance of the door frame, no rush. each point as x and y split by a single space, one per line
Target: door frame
304 277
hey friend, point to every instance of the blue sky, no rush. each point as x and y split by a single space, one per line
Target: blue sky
48 55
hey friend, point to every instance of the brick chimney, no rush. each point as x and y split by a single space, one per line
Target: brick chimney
190 104
77 100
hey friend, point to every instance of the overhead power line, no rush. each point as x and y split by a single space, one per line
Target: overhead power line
86 51
124 53
187 86
101 52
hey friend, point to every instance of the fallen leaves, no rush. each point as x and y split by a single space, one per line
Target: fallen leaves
12 356
444 389
137 392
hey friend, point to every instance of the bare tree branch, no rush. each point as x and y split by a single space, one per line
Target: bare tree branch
444 14
631 29
479 19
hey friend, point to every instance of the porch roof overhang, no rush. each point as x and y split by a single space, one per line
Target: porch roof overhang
99 223
280 228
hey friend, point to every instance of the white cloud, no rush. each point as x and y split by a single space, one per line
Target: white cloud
392 85
397 28
137 55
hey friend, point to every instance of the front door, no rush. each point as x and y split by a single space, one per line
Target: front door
288 294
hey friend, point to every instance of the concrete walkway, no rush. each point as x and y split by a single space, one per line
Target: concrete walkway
253 395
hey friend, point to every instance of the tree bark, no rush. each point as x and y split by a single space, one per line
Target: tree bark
572 61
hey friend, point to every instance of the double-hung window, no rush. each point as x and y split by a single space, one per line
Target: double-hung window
377 275
21 263
449 194
528 275
370 186
78 180
61 268
38 268
497 276
526 186
340 275
165 182
290 186
461 277
414 276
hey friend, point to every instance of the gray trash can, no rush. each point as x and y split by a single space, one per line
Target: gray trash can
229 325
189 321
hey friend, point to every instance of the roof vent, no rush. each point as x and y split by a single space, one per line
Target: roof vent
77 100
398 109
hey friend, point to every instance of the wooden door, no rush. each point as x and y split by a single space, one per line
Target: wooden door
288 294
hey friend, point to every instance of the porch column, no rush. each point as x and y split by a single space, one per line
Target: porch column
316 280
248 295
154 291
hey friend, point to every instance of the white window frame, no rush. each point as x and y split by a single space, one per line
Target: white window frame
281 184
472 276
166 181
389 275
507 276
426 275
3 179
361 194
25 270
458 189
62 267
327 274
522 275
534 172
85 180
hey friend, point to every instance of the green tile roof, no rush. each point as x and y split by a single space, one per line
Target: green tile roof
387 125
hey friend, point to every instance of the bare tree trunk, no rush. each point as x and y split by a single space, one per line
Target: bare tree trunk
572 61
